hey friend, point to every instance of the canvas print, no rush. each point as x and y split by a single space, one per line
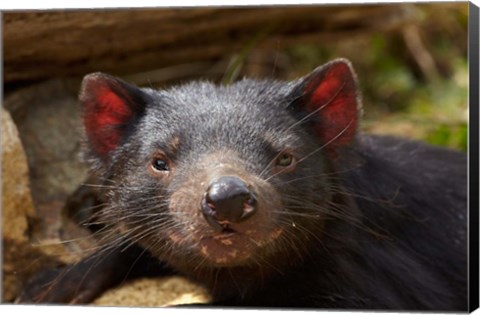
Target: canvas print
280 157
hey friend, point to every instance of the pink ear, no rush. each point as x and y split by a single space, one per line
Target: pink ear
109 105
331 100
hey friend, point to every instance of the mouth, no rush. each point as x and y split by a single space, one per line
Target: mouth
227 228
231 247
227 247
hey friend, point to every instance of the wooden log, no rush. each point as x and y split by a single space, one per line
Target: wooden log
43 44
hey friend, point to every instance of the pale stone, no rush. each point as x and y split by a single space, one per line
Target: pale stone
148 292
16 206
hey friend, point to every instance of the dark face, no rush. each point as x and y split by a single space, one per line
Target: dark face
209 176
218 178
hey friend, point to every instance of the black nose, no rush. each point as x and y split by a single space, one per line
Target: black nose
228 199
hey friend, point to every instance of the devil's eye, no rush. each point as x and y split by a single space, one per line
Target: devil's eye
284 160
160 165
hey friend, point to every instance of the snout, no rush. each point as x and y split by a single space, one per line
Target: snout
227 200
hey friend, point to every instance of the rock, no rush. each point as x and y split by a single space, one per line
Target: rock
48 120
16 205
16 198
31 203
148 292
20 259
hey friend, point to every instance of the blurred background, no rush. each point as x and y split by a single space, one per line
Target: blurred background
411 59
411 62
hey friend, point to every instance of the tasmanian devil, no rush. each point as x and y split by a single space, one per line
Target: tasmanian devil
266 193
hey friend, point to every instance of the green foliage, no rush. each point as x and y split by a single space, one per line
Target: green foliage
399 96
449 136
443 108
